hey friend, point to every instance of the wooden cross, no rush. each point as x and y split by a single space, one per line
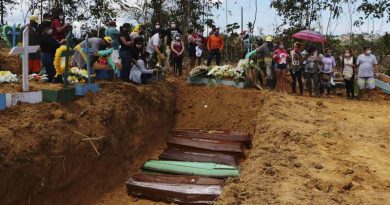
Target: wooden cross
25 50
14 34
67 53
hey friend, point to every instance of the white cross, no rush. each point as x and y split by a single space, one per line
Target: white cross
25 50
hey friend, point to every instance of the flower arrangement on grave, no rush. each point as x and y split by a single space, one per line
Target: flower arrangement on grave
77 75
38 78
59 64
8 77
199 71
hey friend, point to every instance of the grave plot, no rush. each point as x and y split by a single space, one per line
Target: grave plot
192 168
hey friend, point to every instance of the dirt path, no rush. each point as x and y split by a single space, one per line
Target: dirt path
306 150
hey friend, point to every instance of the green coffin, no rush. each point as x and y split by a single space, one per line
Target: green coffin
192 168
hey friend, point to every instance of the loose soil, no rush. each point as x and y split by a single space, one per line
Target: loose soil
305 150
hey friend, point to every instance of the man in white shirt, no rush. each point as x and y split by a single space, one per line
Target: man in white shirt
154 46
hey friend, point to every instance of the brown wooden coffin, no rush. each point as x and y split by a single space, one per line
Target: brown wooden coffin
198 155
228 135
177 179
208 144
174 193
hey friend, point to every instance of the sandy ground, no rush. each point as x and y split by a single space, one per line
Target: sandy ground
306 150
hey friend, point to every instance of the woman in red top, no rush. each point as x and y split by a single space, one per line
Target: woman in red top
177 47
60 28
281 57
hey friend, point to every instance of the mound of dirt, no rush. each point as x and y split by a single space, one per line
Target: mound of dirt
46 159
7 62
316 151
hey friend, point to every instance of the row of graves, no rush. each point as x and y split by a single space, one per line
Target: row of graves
193 167
76 81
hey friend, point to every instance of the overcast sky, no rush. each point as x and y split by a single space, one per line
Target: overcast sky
266 18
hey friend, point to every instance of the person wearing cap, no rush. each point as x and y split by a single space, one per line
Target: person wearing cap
79 58
138 31
34 63
177 48
215 45
265 53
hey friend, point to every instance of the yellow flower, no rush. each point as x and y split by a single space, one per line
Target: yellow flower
57 60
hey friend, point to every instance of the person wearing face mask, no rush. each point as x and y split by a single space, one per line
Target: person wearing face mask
281 58
156 28
312 71
60 28
192 43
48 46
177 47
172 32
348 65
34 63
328 65
215 45
139 72
125 52
367 65
296 68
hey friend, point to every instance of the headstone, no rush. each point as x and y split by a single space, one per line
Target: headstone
25 50
67 54
14 33
29 97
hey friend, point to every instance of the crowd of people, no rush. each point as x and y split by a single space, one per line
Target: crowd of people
308 68
141 51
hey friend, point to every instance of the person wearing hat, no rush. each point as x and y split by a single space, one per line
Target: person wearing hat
177 48
60 28
265 53
138 31
34 63
215 45
79 58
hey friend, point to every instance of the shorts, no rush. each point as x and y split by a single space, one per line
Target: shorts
366 83
281 66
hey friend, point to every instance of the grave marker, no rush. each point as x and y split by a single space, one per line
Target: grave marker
14 33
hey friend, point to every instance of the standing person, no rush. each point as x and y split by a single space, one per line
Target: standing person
177 47
296 68
328 65
45 18
113 32
312 71
34 63
125 51
172 32
348 65
156 28
48 46
246 43
60 28
215 45
265 52
367 63
280 57
192 43
154 47
200 42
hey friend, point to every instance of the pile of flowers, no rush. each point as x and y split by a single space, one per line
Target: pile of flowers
8 77
236 73
77 75
38 78
200 71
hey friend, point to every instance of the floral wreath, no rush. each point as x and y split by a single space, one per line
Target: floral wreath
57 60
